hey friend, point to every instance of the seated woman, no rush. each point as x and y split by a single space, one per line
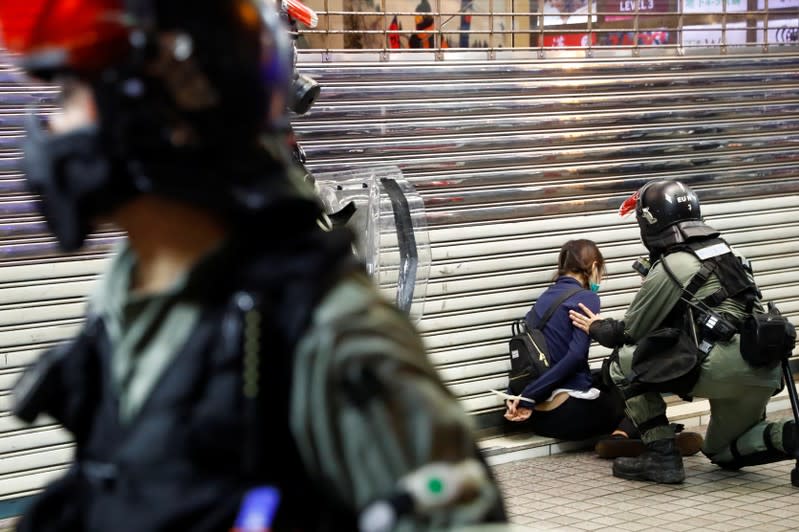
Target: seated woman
566 404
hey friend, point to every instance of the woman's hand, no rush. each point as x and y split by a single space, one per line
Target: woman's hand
522 414
512 404
517 413
583 321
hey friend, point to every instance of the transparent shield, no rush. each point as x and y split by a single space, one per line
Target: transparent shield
390 225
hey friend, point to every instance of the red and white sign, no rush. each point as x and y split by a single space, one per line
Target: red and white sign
567 40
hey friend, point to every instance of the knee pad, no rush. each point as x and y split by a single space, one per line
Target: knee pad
758 458
770 455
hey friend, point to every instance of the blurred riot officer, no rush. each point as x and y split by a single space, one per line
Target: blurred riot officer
231 346
682 334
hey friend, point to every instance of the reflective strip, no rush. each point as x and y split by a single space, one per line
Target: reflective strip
712 251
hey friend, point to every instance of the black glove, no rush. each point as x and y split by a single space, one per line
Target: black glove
608 332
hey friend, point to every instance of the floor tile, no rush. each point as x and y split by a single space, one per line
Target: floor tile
575 491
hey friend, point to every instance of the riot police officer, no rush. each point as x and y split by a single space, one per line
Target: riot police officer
681 334
234 357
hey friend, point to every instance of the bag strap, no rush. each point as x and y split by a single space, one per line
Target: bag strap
696 282
555 305
688 292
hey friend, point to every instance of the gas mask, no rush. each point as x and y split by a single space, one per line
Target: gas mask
304 92
73 177
151 122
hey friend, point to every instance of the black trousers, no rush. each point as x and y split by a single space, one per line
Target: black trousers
579 419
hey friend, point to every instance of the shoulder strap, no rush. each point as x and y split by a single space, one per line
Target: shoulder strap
710 253
554 306
696 282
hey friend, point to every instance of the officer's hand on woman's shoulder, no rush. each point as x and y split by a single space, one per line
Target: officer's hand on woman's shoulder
584 320
608 332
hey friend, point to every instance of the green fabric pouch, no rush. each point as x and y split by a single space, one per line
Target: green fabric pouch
666 360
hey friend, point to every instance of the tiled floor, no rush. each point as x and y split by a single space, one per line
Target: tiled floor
575 491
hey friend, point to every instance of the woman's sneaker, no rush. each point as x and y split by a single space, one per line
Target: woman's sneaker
689 443
618 444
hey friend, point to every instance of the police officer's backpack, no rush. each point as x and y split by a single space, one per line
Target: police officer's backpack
528 351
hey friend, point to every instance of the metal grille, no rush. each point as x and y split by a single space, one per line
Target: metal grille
583 26
513 158
42 294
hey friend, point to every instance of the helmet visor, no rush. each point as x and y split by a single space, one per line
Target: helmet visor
63 34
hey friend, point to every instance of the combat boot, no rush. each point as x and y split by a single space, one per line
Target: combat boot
661 463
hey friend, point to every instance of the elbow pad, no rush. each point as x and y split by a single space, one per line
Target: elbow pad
608 332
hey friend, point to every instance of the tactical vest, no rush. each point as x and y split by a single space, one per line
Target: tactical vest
198 443
670 357
733 272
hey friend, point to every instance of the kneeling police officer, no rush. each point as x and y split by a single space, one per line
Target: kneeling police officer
235 361
682 334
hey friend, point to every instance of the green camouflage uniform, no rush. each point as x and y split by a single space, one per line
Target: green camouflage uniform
359 453
738 393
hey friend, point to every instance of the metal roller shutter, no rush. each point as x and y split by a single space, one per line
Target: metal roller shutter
42 296
513 158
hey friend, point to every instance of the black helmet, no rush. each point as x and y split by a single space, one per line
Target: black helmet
667 213
185 92
663 203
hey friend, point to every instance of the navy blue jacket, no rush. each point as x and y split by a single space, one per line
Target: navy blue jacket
568 345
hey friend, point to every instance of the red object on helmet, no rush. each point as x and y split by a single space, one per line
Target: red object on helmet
82 35
300 12
629 204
